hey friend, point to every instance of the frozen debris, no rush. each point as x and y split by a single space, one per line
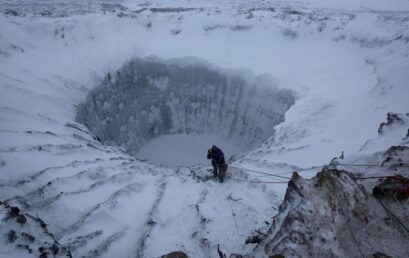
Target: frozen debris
289 33
11 12
213 27
175 31
240 27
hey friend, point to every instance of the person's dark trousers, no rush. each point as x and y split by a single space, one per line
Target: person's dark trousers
221 172
215 168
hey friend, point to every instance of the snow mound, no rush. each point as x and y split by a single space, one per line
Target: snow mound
147 98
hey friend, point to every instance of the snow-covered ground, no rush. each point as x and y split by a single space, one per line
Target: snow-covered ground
346 60
184 149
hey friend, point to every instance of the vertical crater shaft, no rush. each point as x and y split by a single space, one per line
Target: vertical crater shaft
150 97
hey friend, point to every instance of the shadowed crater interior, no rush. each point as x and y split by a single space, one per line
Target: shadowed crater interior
147 98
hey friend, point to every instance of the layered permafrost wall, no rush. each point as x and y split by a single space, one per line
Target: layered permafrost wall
151 97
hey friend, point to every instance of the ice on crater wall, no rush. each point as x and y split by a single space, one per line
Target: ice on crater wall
150 97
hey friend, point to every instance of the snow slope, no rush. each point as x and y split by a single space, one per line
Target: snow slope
347 60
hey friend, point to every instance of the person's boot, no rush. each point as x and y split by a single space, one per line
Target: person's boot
221 178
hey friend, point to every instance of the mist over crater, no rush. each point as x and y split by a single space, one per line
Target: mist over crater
148 98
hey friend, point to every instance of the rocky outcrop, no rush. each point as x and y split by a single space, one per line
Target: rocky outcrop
396 156
332 215
395 131
393 119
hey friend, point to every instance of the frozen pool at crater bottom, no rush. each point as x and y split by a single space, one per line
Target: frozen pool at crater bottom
175 150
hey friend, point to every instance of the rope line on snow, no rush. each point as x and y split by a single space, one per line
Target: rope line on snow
315 167
374 177
374 165
259 182
354 238
282 173
260 172
369 177
393 216
402 206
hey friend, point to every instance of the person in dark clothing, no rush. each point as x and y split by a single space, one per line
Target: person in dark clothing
218 162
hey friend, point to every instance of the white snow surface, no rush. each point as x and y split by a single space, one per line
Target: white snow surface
347 60
175 150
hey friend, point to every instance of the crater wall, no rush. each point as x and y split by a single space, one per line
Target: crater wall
151 97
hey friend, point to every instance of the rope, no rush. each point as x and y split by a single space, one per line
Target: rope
260 182
374 165
355 240
393 216
402 179
259 172
317 167
310 168
335 192
402 206
370 177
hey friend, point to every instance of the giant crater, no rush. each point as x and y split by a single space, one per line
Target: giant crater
150 97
